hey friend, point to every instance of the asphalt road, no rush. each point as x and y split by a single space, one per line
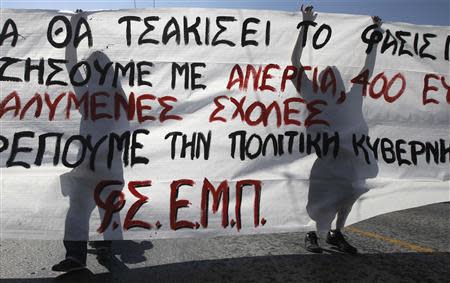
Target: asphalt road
405 246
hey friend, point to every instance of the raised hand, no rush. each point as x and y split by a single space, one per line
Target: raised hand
377 20
308 13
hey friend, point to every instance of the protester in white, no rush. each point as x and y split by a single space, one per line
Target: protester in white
336 182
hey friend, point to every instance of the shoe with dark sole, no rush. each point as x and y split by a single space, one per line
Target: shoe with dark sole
68 265
337 239
311 243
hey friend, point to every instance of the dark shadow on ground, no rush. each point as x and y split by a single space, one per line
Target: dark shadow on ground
128 251
122 252
334 267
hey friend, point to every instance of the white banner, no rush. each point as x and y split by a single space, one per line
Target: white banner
182 123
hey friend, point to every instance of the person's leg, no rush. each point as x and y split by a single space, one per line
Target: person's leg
76 250
323 225
342 215
75 259
335 237
323 218
112 232
322 210
76 230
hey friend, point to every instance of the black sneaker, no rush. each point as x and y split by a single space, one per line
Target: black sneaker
336 238
68 265
311 243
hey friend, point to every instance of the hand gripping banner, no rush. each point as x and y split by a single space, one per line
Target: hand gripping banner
135 124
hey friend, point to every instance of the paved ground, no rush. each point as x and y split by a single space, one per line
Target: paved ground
405 246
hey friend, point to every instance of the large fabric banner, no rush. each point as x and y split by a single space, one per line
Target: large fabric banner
136 124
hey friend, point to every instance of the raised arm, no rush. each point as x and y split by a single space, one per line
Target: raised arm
71 53
371 56
308 16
